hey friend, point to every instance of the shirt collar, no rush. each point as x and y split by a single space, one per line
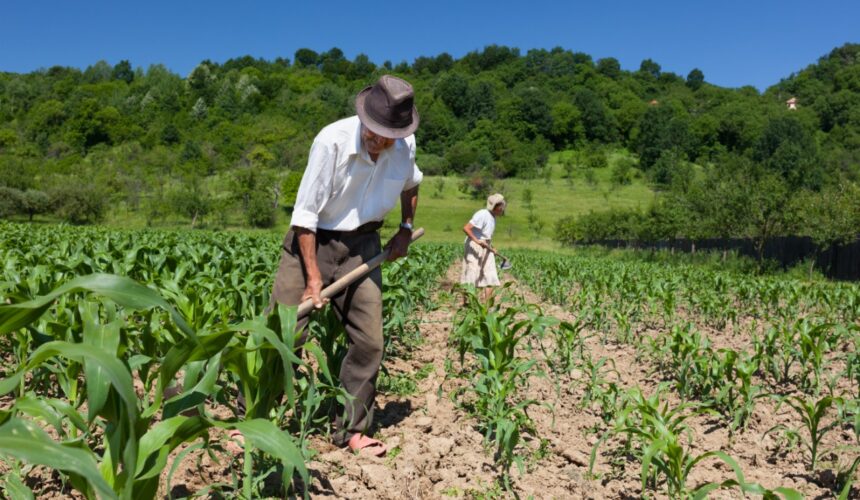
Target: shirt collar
353 146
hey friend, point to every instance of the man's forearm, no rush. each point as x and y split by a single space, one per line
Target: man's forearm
308 249
408 204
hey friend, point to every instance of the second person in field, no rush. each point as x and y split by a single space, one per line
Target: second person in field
479 262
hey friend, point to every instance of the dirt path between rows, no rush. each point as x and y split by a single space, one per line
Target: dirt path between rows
437 453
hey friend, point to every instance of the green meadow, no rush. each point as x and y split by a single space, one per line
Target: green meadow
443 208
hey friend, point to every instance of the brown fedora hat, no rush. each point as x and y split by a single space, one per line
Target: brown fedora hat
388 108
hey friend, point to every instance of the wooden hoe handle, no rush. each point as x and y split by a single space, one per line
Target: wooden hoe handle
336 287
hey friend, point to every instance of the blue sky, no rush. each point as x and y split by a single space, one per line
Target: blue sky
734 43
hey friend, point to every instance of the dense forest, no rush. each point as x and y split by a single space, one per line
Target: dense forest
233 137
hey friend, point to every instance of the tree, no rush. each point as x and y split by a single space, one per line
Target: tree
622 172
90 124
201 84
306 58
200 109
787 148
660 130
10 201
192 201
333 62
464 157
532 109
766 200
649 69
609 67
567 129
670 169
122 71
830 217
290 187
596 121
719 203
361 67
695 79
79 202
44 121
261 211
34 202
453 90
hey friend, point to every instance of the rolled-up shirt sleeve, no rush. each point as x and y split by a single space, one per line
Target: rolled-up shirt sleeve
315 188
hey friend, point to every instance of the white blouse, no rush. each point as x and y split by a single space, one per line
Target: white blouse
483 225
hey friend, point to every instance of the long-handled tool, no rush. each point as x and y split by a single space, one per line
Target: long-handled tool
336 287
506 264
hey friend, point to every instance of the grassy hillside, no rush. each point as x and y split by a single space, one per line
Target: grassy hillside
443 213
444 209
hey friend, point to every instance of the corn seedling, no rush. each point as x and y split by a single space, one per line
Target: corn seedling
812 415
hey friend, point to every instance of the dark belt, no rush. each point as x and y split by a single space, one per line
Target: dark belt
370 227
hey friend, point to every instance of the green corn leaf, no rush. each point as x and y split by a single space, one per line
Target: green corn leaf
112 367
105 338
848 476
124 291
186 351
26 442
38 408
264 435
16 489
204 388
119 378
161 439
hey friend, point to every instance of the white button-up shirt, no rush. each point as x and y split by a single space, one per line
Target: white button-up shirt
342 188
483 225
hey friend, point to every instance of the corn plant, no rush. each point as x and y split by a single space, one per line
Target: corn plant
568 345
738 396
596 372
812 415
814 342
491 334
135 445
657 433
852 364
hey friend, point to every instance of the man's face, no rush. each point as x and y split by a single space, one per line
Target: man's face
374 144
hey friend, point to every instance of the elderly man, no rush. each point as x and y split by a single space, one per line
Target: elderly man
357 170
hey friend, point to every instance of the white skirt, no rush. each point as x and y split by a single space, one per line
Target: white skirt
479 266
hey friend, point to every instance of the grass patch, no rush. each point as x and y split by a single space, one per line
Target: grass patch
443 210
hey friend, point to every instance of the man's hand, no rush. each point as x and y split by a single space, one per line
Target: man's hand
307 247
312 291
399 244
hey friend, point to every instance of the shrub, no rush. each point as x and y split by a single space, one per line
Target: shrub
622 172
431 164
79 203
290 187
192 202
596 159
261 210
34 202
10 201
477 186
